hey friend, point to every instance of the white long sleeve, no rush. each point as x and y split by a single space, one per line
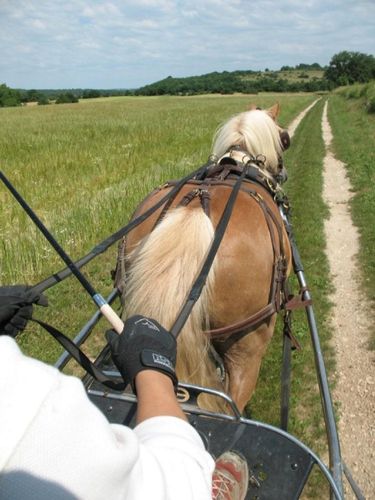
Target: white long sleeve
55 444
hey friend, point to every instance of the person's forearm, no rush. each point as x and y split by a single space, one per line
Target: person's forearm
156 396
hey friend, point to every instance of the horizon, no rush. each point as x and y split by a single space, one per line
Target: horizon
169 76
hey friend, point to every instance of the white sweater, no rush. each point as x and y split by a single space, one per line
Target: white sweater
55 444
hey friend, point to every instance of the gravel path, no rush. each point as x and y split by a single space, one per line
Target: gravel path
351 322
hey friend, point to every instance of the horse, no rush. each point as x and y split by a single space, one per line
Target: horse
233 320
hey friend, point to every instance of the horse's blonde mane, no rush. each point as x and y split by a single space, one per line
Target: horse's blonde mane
255 132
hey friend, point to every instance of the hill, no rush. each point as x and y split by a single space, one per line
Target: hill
302 78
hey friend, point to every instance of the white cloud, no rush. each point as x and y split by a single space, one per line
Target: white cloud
105 9
37 24
147 24
88 44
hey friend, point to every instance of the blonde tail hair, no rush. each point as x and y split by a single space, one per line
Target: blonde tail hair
162 270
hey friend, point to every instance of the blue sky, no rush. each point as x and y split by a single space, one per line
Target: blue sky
129 43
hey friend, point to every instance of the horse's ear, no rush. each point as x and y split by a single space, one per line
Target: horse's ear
252 106
274 111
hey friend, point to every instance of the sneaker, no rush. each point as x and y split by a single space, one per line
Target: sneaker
230 478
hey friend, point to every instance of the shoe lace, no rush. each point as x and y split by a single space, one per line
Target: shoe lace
222 486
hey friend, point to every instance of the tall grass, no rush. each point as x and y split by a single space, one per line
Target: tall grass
363 91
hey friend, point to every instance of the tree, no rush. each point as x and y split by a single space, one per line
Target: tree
9 97
42 100
66 97
91 94
347 68
32 95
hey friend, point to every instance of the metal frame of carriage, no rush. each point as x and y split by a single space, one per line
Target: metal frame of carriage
279 464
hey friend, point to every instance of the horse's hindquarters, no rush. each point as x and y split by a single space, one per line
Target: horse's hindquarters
164 263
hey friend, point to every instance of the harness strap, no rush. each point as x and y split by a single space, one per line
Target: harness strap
298 301
118 274
81 357
278 295
273 297
249 322
201 279
204 197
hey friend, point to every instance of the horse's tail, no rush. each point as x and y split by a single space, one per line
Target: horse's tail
162 270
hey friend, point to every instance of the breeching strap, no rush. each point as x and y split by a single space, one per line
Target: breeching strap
200 281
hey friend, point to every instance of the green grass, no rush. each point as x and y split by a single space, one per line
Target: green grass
354 144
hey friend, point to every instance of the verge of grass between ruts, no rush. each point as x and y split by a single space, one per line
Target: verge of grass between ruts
304 162
354 144
83 169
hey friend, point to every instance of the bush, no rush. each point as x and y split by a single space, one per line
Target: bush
9 97
91 94
42 100
353 92
66 97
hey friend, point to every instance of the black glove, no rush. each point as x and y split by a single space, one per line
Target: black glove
16 307
143 345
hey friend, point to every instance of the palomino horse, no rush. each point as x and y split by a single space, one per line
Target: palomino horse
236 311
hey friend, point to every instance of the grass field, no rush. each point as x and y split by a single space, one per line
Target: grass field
84 167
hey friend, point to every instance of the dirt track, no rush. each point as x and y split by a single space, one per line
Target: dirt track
351 321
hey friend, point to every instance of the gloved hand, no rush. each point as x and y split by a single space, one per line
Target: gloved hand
16 307
143 345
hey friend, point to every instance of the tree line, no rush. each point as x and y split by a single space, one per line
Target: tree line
231 82
345 68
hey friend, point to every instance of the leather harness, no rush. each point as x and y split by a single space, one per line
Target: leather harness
226 173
